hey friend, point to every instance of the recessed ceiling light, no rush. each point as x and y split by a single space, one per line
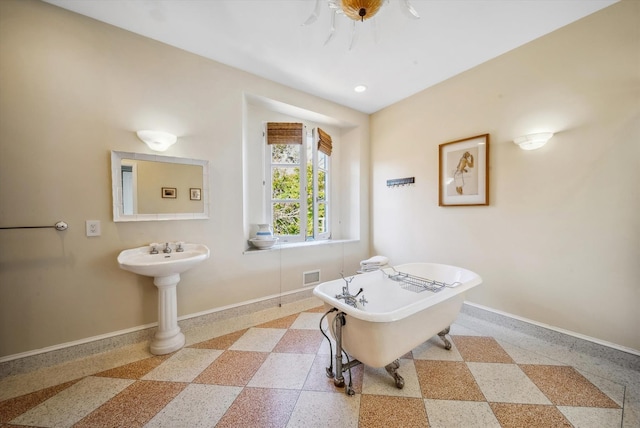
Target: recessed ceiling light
360 88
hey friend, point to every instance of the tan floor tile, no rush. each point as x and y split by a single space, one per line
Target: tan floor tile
481 349
447 380
221 342
259 340
325 409
284 322
462 414
528 415
285 371
134 406
10 409
564 386
384 411
184 365
377 381
260 407
233 368
309 321
506 383
135 370
300 341
317 379
74 403
318 309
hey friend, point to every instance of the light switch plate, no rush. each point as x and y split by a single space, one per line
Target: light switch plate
93 227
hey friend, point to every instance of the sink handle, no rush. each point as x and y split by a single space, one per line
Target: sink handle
179 247
154 248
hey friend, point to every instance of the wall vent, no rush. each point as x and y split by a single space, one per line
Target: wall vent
311 277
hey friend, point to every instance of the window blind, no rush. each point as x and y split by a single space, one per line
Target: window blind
284 133
324 142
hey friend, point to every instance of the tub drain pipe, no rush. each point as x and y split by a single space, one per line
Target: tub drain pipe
338 381
330 368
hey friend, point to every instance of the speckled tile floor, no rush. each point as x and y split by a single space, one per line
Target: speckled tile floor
273 374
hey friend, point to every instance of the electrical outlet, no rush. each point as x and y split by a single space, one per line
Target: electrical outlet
93 227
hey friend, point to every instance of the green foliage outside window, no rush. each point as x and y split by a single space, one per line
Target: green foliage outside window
286 189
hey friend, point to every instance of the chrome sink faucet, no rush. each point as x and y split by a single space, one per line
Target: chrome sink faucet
167 248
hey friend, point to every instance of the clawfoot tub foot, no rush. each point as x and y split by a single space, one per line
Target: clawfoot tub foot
447 344
392 370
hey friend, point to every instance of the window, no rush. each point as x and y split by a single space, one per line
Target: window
297 182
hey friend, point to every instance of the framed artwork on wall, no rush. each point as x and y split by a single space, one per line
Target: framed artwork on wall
195 194
169 192
464 172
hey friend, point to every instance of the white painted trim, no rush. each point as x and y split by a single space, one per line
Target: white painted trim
245 303
557 329
76 343
296 245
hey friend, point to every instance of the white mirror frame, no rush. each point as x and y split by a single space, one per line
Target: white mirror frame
116 187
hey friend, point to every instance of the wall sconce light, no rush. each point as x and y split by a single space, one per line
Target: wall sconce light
533 141
157 140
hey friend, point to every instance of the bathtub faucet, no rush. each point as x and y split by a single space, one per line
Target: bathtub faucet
350 299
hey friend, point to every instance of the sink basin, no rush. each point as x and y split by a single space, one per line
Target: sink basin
141 261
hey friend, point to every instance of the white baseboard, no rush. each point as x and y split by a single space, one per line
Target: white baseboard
557 329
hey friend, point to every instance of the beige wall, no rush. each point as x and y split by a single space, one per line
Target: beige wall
73 89
560 242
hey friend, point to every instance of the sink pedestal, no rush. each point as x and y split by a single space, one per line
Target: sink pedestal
165 267
168 338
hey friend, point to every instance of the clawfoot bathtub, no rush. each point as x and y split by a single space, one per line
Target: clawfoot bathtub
377 317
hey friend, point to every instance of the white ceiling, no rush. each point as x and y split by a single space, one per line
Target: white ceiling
267 38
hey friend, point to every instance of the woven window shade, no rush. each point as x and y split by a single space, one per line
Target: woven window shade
324 142
284 133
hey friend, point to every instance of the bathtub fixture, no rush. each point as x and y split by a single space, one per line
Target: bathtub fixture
417 284
396 318
157 140
165 268
350 299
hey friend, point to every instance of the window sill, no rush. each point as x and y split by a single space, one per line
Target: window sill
296 245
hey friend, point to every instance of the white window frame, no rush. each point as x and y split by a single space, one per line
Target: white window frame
309 140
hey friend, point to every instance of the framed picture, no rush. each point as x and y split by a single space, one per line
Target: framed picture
195 194
169 192
464 172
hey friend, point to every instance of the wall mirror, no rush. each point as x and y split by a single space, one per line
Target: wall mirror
152 187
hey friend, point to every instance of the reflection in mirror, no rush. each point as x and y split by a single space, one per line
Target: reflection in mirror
153 187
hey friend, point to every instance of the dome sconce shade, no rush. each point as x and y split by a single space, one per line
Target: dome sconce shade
157 140
533 141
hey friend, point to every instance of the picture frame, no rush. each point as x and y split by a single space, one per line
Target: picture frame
195 193
169 192
464 172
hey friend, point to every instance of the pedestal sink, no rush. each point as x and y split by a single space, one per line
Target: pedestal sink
165 268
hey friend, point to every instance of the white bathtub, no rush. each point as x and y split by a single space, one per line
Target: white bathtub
395 320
